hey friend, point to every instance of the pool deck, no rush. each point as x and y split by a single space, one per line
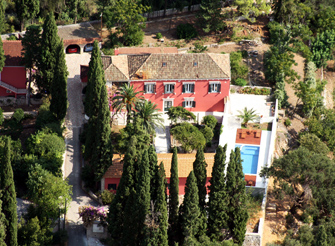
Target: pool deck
246 136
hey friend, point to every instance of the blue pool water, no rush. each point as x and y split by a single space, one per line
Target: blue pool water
249 156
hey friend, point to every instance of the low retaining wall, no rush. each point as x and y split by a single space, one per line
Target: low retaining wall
255 239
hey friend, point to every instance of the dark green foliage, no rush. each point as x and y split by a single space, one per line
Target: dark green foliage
321 124
98 143
238 213
241 82
210 121
218 200
153 170
161 208
58 103
31 233
149 115
200 173
2 227
43 143
1 116
142 200
186 31
311 142
116 215
179 114
93 87
18 115
107 197
102 153
207 133
2 56
126 15
312 171
26 10
188 136
190 215
8 197
2 19
238 68
210 17
132 129
47 61
45 116
322 48
174 198
51 199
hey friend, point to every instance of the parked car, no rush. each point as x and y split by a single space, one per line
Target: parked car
72 50
88 47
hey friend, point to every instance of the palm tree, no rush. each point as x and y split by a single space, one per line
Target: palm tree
126 97
247 115
148 113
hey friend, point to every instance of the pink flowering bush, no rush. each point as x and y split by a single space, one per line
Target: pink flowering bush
89 214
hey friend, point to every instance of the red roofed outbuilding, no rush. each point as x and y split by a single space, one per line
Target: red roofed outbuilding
13 79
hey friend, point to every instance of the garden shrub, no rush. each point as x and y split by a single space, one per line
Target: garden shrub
179 114
18 115
188 136
159 35
238 68
288 122
107 197
210 121
208 134
186 31
1 116
255 91
44 142
240 82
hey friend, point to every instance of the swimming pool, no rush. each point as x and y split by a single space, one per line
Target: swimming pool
249 156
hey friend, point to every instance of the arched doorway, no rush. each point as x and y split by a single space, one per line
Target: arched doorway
73 49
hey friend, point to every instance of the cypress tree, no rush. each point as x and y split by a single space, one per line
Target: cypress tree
2 56
153 168
200 172
49 45
199 167
116 213
96 98
130 227
142 199
218 200
2 226
102 153
190 216
8 197
59 104
235 186
173 198
2 18
161 208
93 85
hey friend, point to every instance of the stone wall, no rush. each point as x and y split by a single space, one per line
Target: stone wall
96 230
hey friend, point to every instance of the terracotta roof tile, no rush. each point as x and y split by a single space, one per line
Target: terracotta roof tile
181 66
106 61
78 32
135 62
185 165
145 50
13 49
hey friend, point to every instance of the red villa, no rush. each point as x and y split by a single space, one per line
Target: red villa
13 76
199 82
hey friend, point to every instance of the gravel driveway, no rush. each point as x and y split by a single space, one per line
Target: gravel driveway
73 160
